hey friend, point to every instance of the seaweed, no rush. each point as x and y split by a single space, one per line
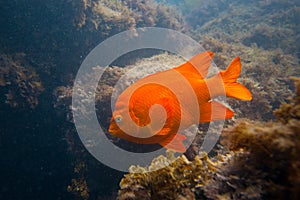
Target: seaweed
266 24
79 185
265 163
19 82
263 33
109 17
266 38
131 187
179 179
264 72
199 12
262 163
241 182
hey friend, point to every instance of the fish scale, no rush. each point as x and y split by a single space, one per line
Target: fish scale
184 94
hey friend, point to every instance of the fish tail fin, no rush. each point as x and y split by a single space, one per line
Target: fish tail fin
232 87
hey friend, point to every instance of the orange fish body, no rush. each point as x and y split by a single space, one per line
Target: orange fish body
150 112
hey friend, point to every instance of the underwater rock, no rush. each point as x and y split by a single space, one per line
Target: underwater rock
79 185
199 12
108 81
114 16
103 97
265 163
266 36
63 105
264 72
79 188
179 179
19 82
263 23
225 164
73 28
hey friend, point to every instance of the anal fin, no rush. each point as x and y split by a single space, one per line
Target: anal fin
213 111
174 143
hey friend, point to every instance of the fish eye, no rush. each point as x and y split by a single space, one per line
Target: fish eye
118 118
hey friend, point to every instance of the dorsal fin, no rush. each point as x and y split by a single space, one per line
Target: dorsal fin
198 64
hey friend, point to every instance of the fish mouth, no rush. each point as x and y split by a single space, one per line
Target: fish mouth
112 131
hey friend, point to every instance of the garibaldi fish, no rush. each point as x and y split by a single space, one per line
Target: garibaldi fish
150 111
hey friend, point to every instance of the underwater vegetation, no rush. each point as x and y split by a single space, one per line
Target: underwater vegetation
42 46
72 28
106 86
117 15
265 163
265 73
198 12
262 163
20 85
79 185
262 89
223 162
265 35
179 179
263 23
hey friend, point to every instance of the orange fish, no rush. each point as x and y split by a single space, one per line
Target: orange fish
156 107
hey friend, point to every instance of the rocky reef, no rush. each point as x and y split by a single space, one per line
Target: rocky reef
265 163
79 185
254 80
106 87
236 30
179 179
267 24
20 85
118 15
262 162
42 46
264 72
268 46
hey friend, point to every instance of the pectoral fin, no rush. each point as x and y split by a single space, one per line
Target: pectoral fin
174 143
